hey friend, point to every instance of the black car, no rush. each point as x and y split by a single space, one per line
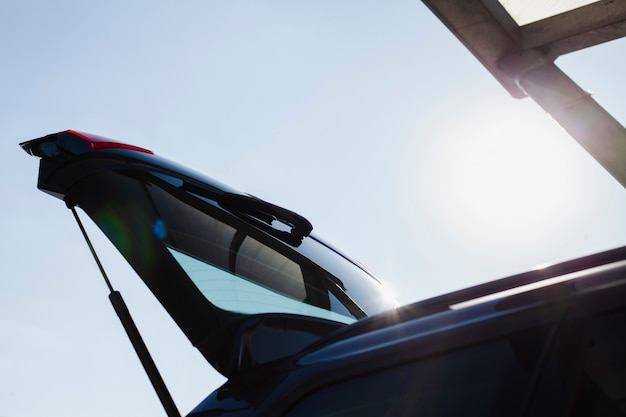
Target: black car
299 329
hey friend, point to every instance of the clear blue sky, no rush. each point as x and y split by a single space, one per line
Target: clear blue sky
367 117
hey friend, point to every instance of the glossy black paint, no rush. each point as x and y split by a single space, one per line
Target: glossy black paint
396 338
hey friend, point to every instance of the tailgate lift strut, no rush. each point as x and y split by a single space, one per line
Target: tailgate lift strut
131 329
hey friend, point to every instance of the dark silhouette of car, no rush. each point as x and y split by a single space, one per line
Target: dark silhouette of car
300 329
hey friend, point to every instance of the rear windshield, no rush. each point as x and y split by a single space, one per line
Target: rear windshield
240 269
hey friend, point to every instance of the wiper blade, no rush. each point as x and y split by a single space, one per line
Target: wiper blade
264 214
292 228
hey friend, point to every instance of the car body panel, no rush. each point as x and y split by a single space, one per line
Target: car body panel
529 321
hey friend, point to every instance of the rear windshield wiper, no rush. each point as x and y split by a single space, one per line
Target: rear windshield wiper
264 215
283 224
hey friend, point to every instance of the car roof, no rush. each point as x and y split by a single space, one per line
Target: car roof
430 327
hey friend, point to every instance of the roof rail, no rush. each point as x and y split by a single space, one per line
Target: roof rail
446 301
474 295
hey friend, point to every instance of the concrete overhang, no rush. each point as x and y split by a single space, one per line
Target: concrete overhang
489 31
519 51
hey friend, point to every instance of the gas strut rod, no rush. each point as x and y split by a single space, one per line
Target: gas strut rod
131 329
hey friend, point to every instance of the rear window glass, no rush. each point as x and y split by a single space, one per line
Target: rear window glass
234 248
236 271
231 292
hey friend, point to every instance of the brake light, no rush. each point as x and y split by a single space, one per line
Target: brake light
99 142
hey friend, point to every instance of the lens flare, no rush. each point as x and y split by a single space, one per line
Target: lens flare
158 229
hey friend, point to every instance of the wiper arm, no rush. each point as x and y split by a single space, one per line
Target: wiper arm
256 211
263 214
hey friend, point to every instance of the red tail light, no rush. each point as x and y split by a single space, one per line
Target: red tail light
99 142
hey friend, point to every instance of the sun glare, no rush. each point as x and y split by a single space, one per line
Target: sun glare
511 182
506 181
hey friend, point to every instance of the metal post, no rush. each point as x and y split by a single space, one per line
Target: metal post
599 133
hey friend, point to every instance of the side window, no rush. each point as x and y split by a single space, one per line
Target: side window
489 379
586 371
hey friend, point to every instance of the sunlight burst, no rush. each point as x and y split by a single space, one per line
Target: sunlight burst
506 181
